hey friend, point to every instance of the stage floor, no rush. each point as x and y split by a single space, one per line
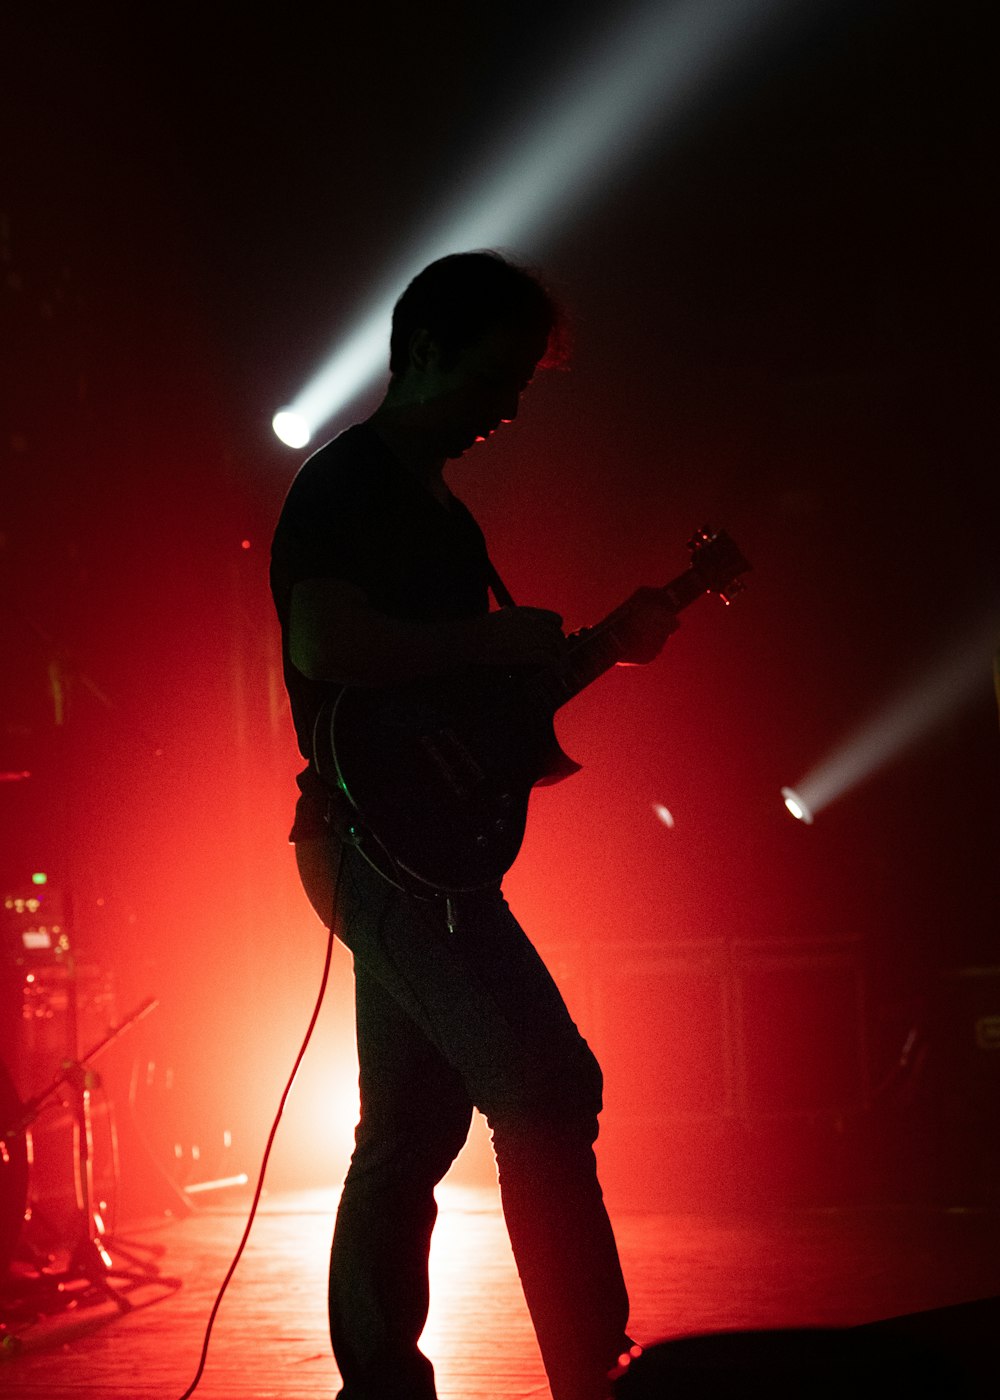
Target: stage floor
687 1273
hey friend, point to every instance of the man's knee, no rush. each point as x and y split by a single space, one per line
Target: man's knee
559 1092
413 1150
581 1087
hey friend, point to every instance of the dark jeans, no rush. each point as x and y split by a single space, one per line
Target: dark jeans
448 1021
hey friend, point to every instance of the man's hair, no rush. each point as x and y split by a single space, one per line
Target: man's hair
461 298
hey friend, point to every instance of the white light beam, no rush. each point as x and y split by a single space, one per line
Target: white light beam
953 681
576 136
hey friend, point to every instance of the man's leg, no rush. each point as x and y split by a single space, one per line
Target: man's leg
565 1251
542 1105
415 1117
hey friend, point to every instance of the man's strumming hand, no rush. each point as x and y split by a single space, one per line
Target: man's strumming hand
519 637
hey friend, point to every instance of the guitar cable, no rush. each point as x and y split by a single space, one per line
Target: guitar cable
422 912
271 1136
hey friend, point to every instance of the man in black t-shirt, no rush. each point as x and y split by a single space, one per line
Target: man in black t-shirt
380 577
355 508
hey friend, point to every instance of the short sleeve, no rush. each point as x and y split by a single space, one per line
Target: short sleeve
318 534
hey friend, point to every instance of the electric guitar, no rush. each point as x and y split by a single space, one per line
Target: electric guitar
438 772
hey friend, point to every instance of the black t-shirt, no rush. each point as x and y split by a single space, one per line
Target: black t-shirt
354 513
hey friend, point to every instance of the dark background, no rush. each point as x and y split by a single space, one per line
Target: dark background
783 319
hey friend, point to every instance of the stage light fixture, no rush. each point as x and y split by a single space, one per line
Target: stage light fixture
960 675
665 815
579 134
291 428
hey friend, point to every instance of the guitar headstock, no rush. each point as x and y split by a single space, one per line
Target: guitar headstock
718 563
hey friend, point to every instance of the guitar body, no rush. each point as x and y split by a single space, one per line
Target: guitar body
439 774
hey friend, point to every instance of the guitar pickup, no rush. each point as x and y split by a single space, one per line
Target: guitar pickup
453 761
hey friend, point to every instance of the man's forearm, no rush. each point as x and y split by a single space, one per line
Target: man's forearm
369 648
336 635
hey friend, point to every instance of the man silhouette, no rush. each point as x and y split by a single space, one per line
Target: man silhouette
380 576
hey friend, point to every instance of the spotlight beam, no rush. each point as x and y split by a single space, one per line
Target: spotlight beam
654 65
957 677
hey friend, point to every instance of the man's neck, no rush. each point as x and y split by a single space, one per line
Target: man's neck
400 433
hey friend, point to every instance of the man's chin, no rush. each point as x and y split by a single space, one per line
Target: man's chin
459 448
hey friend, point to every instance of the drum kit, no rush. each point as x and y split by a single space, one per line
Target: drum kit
59 1167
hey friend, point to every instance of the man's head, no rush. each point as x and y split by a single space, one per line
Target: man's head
467 335
459 299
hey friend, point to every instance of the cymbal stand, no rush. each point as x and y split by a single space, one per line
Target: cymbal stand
90 1257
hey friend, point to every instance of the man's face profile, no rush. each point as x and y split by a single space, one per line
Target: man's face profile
468 395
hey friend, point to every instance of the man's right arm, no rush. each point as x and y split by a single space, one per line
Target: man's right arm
336 635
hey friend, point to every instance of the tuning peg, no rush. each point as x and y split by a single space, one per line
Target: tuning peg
703 535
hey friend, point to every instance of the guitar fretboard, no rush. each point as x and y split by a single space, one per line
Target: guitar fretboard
594 650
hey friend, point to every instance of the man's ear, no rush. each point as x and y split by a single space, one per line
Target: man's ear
424 350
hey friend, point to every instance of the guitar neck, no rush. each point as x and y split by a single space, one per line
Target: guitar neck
594 650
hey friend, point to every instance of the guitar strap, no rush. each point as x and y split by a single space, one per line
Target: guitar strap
498 587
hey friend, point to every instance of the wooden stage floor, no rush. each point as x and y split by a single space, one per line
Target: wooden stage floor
687 1273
